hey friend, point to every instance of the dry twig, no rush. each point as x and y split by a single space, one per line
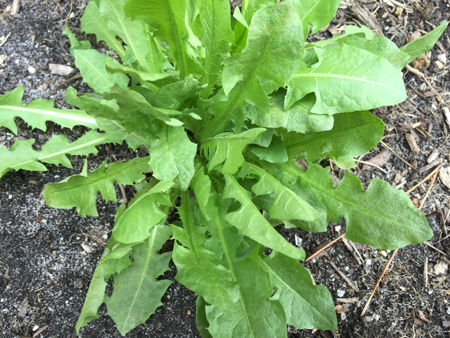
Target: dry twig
323 248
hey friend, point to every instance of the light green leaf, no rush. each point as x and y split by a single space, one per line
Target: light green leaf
381 216
23 156
273 53
36 113
74 43
137 293
92 66
200 269
423 44
307 306
170 18
228 148
92 22
286 204
274 153
200 318
251 223
298 118
80 191
143 213
345 80
317 13
352 135
173 155
201 184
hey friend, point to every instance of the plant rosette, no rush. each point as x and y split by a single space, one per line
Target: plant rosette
224 105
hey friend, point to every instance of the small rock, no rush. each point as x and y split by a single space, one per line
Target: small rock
2 58
31 70
340 293
78 283
298 241
441 269
383 253
446 323
23 308
86 247
35 328
442 58
444 176
369 319
369 262
62 70
337 228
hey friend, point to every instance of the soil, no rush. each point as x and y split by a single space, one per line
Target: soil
45 271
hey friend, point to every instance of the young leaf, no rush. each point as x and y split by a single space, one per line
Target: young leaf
345 80
143 213
137 293
228 148
423 44
36 113
306 305
286 205
380 216
80 191
352 135
317 13
173 155
273 54
200 269
23 156
251 223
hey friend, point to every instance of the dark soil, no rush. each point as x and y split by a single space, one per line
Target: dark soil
45 272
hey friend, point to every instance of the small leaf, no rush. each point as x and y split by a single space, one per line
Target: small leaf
36 113
423 44
352 135
381 216
137 292
346 80
173 155
307 306
251 223
228 148
80 191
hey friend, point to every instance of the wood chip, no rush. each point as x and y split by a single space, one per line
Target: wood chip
434 155
446 113
348 300
38 332
62 70
380 159
412 143
422 316
341 308
23 308
351 247
431 165
15 7
368 18
444 176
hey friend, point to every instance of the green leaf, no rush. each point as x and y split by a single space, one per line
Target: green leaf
273 54
380 216
251 223
274 153
298 118
200 269
143 213
170 18
92 22
307 306
256 314
23 156
286 204
200 318
228 148
36 113
201 184
92 66
137 293
80 191
423 44
317 13
345 80
352 135
74 43
173 155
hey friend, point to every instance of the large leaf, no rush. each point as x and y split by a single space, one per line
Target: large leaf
228 148
423 44
200 269
286 204
171 19
137 292
317 13
381 216
273 53
297 118
173 155
347 79
23 156
36 113
143 213
80 191
251 223
307 306
352 135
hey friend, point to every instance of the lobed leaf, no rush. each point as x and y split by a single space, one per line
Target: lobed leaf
80 191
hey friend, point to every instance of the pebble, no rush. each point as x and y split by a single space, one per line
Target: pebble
340 293
31 70
369 262
442 58
35 328
337 228
369 319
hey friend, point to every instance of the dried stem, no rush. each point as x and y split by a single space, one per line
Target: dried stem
323 248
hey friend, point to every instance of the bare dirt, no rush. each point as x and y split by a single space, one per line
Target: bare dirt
45 271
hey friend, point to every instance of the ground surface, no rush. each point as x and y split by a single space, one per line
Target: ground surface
45 272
